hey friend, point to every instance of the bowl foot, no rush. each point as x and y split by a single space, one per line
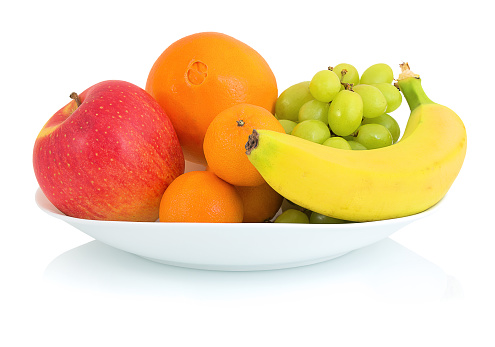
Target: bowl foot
256 267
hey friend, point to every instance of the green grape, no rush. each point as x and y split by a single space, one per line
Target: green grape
388 122
391 94
324 85
314 109
351 76
374 103
378 73
288 125
337 142
287 205
290 101
345 113
374 136
349 137
318 218
356 145
292 216
312 130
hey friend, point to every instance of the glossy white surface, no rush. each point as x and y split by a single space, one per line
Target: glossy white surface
386 270
234 246
430 284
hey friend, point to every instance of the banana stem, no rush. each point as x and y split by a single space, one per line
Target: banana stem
410 85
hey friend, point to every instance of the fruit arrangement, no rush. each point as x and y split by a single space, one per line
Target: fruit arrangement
323 151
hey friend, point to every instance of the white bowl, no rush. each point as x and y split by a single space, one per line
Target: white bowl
234 246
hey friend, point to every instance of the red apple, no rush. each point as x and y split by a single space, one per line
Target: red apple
109 154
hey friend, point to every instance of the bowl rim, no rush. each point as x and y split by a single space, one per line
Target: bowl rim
46 206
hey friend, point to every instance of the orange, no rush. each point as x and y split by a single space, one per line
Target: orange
199 76
225 141
260 203
201 197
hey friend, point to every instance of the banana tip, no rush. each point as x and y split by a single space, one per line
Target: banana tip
252 142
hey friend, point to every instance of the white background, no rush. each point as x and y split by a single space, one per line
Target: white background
429 284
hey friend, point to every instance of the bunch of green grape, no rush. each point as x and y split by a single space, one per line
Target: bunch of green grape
339 108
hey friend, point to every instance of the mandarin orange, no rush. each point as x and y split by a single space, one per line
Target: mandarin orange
261 203
201 75
225 141
201 197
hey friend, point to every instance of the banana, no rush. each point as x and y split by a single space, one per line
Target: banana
395 181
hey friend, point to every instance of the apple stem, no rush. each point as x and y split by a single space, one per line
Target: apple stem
75 97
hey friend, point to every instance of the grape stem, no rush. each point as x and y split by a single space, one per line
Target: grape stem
342 74
348 86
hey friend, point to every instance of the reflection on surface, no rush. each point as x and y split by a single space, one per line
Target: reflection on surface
384 271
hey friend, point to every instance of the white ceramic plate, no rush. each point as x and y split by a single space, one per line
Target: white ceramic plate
234 246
